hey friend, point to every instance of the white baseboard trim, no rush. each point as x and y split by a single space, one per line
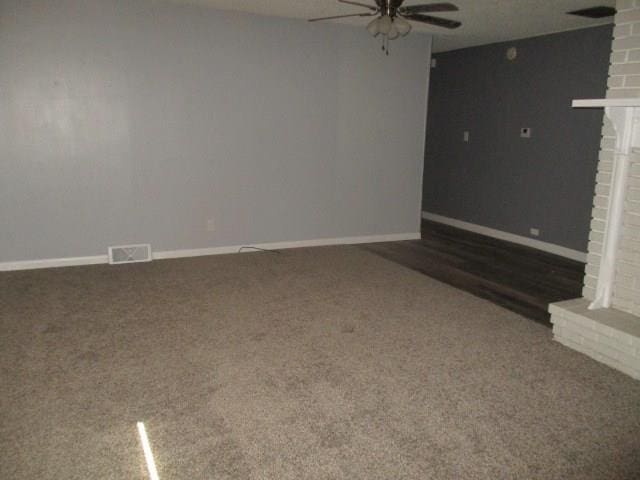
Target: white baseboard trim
321 242
53 263
198 252
509 237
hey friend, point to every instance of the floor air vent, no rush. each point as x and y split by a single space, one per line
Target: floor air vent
129 254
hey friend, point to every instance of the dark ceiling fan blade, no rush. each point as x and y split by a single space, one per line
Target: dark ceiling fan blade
437 21
431 7
343 16
358 4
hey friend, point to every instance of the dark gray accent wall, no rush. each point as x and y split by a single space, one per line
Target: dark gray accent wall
498 179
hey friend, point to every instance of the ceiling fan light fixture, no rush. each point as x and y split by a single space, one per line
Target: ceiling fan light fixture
374 27
402 25
384 24
391 18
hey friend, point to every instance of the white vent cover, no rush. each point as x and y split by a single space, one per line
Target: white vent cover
129 254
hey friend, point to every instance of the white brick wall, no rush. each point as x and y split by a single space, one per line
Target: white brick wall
624 81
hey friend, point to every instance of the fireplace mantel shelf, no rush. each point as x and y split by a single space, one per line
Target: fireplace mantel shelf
606 102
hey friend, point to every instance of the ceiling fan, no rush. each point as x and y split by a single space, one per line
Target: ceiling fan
391 17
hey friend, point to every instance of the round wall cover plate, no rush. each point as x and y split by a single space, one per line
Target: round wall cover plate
512 53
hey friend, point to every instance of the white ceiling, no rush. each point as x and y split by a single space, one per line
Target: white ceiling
484 21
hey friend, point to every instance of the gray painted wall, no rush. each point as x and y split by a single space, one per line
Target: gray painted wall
498 179
136 121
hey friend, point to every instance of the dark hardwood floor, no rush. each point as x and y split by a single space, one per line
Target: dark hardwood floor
522 279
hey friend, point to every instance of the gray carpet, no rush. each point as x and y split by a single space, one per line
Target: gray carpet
325 363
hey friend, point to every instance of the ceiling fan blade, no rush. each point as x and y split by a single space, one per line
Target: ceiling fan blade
437 21
358 4
431 7
343 16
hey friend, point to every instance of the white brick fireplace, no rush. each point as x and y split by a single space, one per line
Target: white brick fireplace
605 323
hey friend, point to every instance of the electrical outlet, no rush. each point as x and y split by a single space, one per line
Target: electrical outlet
525 132
465 136
211 225
534 232
434 63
